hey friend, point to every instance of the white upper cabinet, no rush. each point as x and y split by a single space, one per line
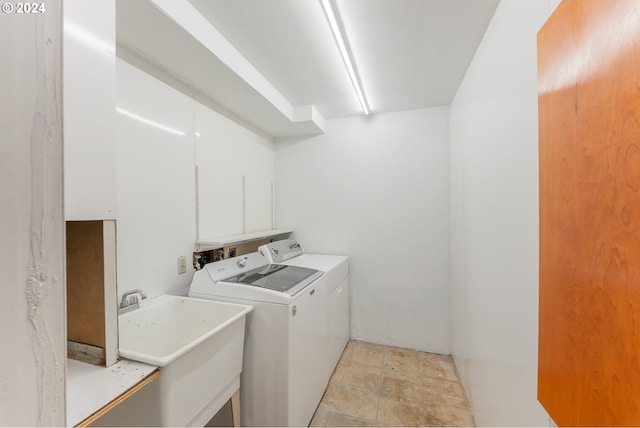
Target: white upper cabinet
89 93
235 170
258 200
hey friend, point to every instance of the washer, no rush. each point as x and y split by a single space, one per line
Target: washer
336 273
283 377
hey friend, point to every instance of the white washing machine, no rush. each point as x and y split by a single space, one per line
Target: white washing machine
336 274
283 375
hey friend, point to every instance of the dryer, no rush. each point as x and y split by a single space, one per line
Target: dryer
336 274
283 375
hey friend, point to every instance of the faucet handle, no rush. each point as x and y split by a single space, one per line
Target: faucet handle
129 298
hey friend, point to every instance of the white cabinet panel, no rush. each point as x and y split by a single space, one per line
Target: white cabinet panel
219 175
89 110
219 201
259 171
235 172
258 201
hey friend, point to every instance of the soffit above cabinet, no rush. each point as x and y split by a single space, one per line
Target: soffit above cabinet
213 69
276 65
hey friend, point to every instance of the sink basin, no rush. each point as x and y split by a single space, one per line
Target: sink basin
199 346
166 327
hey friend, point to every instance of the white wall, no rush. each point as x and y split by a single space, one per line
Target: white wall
376 189
156 184
156 180
32 319
494 219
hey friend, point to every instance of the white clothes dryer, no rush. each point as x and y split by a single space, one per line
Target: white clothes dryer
283 376
336 274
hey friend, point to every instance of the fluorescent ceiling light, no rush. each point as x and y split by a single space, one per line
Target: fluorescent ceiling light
338 34
149 122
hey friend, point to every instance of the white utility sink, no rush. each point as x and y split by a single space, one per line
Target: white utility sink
199 346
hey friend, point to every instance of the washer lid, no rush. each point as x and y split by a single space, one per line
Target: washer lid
282 278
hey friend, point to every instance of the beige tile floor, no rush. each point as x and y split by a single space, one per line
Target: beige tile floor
376 385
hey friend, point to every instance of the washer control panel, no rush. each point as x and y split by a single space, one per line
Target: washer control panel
227 268
280 251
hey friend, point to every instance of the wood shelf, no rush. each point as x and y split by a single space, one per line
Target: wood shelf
225 241
94 390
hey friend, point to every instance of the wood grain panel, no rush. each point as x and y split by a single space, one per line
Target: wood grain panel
589 130
85 283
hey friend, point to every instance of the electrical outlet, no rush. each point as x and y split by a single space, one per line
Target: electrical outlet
182 264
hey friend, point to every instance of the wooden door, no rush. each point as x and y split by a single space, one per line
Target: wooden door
589 124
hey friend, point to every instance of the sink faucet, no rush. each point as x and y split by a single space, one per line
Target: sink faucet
131 301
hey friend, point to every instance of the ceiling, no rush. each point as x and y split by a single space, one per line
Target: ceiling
409 54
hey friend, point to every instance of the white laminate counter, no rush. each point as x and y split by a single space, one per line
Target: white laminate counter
90 388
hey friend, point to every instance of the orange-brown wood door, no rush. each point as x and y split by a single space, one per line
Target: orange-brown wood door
589 123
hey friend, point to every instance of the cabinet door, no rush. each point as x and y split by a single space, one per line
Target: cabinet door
235 175
259 200
589 114
89 110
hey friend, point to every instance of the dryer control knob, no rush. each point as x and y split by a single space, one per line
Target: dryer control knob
242 262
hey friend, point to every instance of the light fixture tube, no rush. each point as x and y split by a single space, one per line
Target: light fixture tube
149 122
338 34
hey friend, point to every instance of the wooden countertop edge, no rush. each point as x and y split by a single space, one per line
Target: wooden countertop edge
119 399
